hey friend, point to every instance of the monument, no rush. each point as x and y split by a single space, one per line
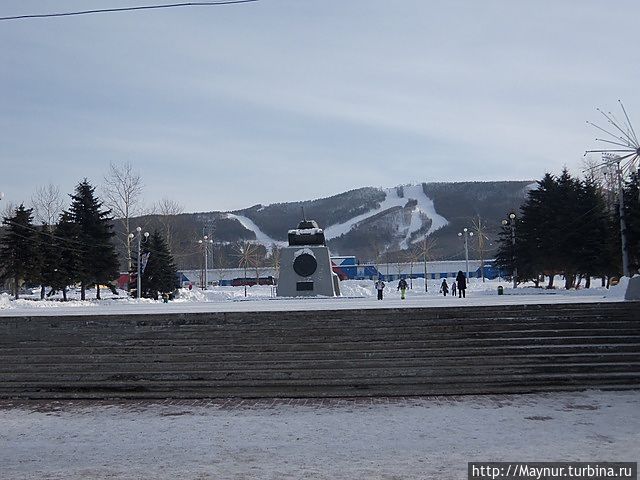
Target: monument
633 288
305 266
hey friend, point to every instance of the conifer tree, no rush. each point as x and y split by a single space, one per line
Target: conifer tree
160 275
632 217
18 257
536 233
506 255
565 223
97 262
46 257
593 255
65 243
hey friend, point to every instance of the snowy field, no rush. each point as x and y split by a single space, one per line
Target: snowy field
356 439
356 294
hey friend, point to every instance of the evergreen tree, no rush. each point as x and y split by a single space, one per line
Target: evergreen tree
593 254
563 228
65 243
46 257
632 217
18 257
97 262
160 275
565 223
536 233
506 254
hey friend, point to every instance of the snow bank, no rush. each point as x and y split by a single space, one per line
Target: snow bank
619 290
5 301
356 294
224 294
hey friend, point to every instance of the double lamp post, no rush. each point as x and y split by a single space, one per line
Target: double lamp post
139 236
512 225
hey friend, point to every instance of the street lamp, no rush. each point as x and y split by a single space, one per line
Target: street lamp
466 234
614 161
205 242
512 224
425 252
139 235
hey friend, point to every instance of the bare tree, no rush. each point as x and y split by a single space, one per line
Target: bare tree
166 210
8 210
481 237
276 253
247 254
221 264
47 205
123 195
412 256
425 251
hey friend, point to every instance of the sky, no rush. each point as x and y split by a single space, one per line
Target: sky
221 108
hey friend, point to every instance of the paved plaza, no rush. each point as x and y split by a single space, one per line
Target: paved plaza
360 438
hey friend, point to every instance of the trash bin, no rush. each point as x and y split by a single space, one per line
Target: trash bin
500 290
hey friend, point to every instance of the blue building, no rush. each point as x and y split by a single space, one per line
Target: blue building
348 268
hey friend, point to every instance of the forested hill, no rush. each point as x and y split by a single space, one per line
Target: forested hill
365 222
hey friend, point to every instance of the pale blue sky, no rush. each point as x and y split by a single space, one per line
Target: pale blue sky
224 107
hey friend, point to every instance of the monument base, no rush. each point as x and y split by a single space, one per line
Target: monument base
633 289
310 275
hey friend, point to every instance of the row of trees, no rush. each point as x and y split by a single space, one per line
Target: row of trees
571 227
76 248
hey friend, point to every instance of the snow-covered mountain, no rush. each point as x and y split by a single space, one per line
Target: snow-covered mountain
405 210
365 222
368 221
415 211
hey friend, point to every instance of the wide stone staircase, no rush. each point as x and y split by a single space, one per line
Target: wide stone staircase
377 352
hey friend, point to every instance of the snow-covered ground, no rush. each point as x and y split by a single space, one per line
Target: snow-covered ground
358 294
383 438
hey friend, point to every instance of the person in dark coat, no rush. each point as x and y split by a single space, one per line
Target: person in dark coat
379 287
461 279
402 286
444 288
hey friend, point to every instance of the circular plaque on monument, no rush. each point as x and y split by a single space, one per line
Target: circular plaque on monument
305 265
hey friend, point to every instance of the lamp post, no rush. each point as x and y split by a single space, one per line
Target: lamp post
512 224
139 235
425 253
205 242
614 161
466 234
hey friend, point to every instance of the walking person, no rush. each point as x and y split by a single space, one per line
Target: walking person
453 288
462 284
402 286
444 288
379 287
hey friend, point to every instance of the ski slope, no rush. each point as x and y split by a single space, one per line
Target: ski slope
411 192
261 237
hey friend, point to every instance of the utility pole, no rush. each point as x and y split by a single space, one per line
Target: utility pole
611 160
623 224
